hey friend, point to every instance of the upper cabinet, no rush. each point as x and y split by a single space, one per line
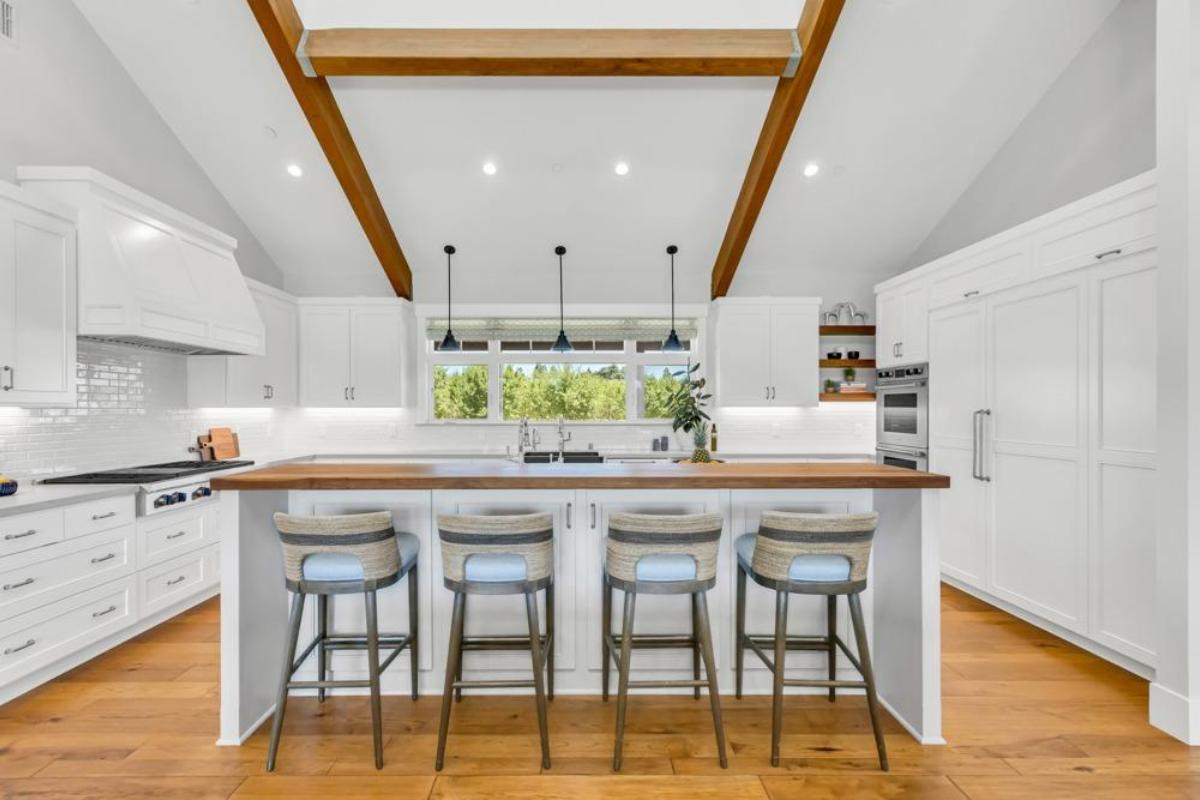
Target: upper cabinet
37 301
352 353
266 381
766 352
901 330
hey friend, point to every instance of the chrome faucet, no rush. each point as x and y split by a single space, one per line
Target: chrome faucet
527 438
563 438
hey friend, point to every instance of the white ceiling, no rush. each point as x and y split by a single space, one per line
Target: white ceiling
913 99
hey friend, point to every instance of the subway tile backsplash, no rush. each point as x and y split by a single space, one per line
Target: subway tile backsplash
132 409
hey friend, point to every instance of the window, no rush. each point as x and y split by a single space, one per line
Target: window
503 378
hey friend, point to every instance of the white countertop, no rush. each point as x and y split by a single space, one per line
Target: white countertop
35 497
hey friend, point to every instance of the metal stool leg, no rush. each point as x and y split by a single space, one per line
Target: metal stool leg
606 634
781 612
458 677
452 659
289 656
695 645
864 658
539 689
623 675
322 632
413 625
739 639
831 626
373 672
710 669
550 641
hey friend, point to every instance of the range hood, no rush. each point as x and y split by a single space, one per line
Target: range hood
149 275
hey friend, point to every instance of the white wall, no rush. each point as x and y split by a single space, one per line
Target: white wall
67 101
1093 128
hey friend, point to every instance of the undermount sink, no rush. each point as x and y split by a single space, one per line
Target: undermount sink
568 457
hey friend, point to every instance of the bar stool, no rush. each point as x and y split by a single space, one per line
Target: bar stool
661 554
504 554
350 554
816 554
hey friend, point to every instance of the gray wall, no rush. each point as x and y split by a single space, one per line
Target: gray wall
68 101
1093 128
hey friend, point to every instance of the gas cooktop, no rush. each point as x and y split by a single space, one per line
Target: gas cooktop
151 473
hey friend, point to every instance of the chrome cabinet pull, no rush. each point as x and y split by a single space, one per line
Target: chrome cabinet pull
10 536
10 650
767 395
18 585
352 390
11 378
174 581
108 515
176 535
1107 253
593 519
104 558
570 516
108 610
975 417
971 293
983 476
346 393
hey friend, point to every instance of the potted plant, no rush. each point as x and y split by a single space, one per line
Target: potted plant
831 386
848 373
687 411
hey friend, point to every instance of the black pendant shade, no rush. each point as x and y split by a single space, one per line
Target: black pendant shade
672 343
562 344
449 343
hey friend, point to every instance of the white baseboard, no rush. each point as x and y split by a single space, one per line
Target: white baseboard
1175 714
254 726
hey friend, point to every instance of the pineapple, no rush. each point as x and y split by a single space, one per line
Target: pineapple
700 440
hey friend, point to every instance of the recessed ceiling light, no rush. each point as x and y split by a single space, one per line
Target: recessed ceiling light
621 168
489 168
811 169
295 171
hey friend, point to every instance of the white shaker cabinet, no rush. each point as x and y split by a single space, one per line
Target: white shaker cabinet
352 355
37 301
901 334
767 352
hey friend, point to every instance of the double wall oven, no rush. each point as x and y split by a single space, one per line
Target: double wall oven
902 416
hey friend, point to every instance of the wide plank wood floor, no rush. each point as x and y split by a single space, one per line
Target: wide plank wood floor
1026 715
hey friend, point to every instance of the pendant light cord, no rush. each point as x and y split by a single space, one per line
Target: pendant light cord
561 318
449 289
672 292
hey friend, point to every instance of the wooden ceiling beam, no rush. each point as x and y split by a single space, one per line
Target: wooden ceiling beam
283 29
817 23
566 52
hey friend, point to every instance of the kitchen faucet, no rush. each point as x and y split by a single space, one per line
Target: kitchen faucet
563 438
527 438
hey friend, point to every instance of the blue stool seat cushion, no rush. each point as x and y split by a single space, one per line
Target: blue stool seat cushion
809 568
494 567
666 567
347 567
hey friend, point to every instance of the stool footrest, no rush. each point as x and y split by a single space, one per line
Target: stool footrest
669 684
818 643
822 684
328 684
496 684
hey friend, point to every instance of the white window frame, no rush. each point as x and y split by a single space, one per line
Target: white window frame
495 359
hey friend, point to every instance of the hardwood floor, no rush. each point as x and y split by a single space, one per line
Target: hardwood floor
1027 717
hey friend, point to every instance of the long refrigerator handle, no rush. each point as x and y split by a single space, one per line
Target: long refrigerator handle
983 476
975 444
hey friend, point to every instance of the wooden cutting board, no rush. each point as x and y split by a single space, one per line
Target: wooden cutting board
224 443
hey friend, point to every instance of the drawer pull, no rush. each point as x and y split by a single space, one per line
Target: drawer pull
10 650
102 559
25 582
174 581
176 535
1107 253
11 536
106 515
971 293
108 610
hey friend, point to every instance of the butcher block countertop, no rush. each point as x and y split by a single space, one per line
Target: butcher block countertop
510 475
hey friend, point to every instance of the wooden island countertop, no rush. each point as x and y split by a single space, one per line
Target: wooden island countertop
510 475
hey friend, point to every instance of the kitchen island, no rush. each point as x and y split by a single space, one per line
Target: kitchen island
901 603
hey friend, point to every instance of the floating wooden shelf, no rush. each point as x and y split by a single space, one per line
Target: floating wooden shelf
848 397
864 363
847 330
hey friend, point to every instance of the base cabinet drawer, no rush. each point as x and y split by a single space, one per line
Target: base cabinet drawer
164 539
26 531
37 577
173 581
40 637
99 515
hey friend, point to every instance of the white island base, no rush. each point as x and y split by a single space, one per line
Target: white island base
901 602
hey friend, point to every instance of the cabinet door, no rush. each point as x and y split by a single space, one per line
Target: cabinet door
37 312
1038 383
324 356
795 353
889 328
744 356
957 339
376 357
279 318
914 341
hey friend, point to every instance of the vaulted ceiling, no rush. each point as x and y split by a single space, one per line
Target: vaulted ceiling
912 100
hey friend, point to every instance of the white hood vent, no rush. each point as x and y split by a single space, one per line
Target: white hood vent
151 276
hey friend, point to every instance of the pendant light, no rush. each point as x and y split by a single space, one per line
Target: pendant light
672 344
561 344
449 343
